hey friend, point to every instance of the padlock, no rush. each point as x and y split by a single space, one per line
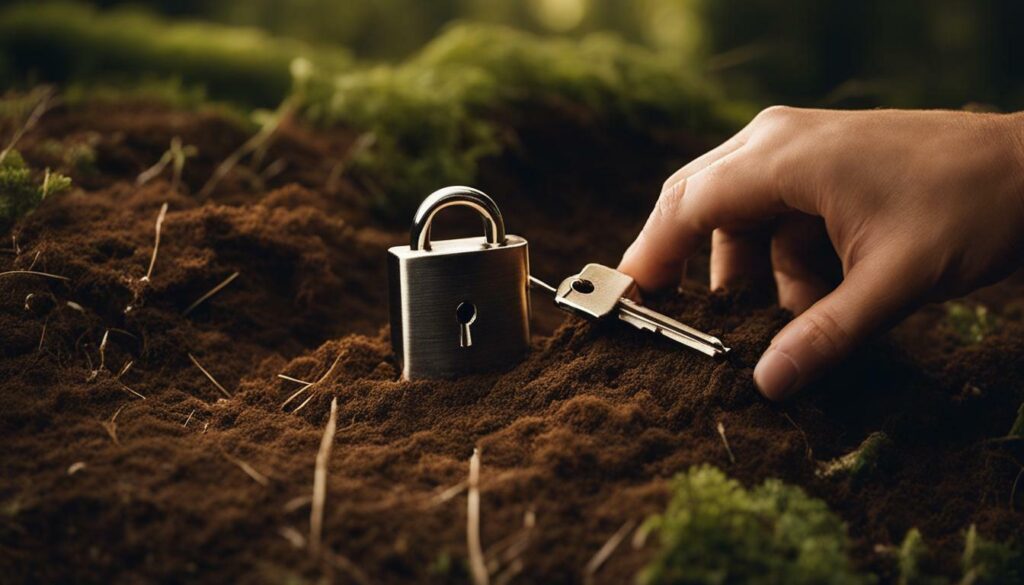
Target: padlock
459 306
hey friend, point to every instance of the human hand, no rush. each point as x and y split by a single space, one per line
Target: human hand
917 205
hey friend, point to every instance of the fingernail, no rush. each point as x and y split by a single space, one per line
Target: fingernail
776 374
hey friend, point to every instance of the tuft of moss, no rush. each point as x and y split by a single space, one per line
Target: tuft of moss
860 463
433 117
20 193
913 554
714 531
971 323
66 41
986 562
1017 430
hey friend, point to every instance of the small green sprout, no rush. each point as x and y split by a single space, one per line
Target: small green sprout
715 532
986 562
860 463
1017 430
175 157
19 192
971 324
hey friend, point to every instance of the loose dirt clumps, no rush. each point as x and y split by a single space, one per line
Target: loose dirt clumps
581 438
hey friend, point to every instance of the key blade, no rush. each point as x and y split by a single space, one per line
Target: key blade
649 320
538 283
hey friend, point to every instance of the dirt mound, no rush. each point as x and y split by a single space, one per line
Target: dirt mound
199 484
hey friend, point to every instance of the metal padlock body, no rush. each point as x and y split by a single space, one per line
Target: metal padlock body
429 281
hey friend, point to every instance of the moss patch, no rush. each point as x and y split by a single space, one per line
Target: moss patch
20 192
714 531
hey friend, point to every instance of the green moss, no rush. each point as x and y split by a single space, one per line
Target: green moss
986 562
1017 430
435 116
65 41
20 192
971 324
862 462
716 532
913 554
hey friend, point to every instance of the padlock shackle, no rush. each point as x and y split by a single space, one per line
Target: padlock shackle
494 225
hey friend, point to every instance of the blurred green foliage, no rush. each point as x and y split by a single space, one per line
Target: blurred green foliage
716 532
987 562
20 191
430 119
970 323
74 42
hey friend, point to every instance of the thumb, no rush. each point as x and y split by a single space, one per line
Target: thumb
826 333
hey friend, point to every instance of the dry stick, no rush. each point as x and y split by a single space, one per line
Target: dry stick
208 375
189 419
212 292
127 389
42 336
725 441
156 243
124 369
111 426
316 513
477 566
35 273
606 551
303 405
248 469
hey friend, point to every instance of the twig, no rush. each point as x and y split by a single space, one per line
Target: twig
248 469
156 242
189 419
725 441
111 426
124 369
209 375
42 336
606 550
477 566
212 292
35 273
303 405
316 513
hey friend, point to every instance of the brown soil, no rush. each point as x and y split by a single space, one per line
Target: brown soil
581 437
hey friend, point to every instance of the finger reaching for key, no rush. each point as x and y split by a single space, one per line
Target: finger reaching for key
913 205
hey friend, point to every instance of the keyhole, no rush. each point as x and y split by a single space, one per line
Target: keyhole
465 314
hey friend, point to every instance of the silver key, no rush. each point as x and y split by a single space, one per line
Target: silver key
598 292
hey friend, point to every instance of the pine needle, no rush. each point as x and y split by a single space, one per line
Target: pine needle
316 513
156 242
291 379
307 387
725 441
34 273
602 555
450 493
248 469
42 105
209 376
130 391
189 419
477 565
111 425
212 292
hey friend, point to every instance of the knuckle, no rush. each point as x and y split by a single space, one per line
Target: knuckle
774 114
668 203
826 335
